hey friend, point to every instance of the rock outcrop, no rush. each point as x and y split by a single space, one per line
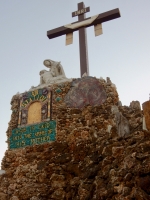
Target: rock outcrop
101 152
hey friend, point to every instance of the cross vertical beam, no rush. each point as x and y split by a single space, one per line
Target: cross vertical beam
84 64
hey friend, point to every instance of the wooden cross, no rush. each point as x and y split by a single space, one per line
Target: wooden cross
81 25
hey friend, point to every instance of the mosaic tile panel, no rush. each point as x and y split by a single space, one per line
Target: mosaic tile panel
33 134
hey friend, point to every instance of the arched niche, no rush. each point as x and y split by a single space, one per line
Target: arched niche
34 113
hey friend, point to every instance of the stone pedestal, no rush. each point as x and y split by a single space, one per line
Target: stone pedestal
82 152
146 111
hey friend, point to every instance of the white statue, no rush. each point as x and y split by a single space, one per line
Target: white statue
55 74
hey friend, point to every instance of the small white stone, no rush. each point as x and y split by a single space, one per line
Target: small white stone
109 128
144 124
2 172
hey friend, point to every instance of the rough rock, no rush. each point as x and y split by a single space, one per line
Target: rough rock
93 156
146 111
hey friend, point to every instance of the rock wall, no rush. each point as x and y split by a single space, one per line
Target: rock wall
101 153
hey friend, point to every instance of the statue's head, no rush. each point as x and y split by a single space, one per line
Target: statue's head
47 63
42 72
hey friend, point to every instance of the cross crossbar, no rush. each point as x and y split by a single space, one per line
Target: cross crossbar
104 17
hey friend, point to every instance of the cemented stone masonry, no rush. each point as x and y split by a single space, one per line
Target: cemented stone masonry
100 153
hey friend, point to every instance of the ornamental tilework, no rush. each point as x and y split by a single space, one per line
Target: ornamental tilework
33 134
34 107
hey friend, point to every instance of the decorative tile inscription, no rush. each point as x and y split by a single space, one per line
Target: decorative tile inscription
34 107
34 134
37 95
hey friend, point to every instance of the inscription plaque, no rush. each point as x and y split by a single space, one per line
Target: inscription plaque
79 12
33 134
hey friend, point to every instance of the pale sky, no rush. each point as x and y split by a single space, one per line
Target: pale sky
121 53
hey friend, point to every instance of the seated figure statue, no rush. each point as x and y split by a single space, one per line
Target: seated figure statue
54 75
